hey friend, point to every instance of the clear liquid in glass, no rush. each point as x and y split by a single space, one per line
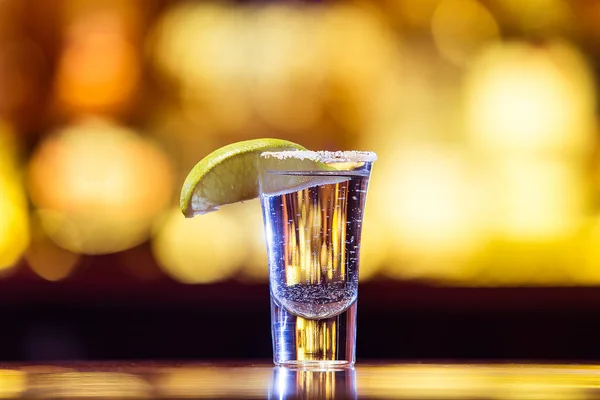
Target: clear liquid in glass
313 239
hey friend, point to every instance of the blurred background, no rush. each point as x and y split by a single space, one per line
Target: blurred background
482 230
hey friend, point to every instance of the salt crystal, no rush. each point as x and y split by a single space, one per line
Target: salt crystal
326 157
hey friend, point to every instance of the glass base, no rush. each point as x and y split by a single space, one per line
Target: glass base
313 344
315 364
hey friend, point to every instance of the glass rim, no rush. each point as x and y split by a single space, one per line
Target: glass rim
322 156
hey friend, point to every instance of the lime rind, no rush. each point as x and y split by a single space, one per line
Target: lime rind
227 175
230 174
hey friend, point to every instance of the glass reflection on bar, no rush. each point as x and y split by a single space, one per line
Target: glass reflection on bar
291 383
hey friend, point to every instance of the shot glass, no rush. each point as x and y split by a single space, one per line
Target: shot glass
313 205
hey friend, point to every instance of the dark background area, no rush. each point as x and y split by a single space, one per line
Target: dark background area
123 320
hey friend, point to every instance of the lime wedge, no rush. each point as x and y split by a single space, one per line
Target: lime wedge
227 175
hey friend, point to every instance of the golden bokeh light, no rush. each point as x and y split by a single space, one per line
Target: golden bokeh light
461 27
205 249
532 199
484 116
250 223
429 205
299 60
586 253
187 41
538 15
516 262
530 117
288 72
522 97
45 258
359 54
14 223
414 14
98 186
200 49
431 195
98 68
373 246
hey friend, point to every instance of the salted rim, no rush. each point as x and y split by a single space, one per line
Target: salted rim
326 157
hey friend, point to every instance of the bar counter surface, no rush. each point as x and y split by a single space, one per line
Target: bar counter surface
261 380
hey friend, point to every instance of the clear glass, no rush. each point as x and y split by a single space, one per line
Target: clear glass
313 205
